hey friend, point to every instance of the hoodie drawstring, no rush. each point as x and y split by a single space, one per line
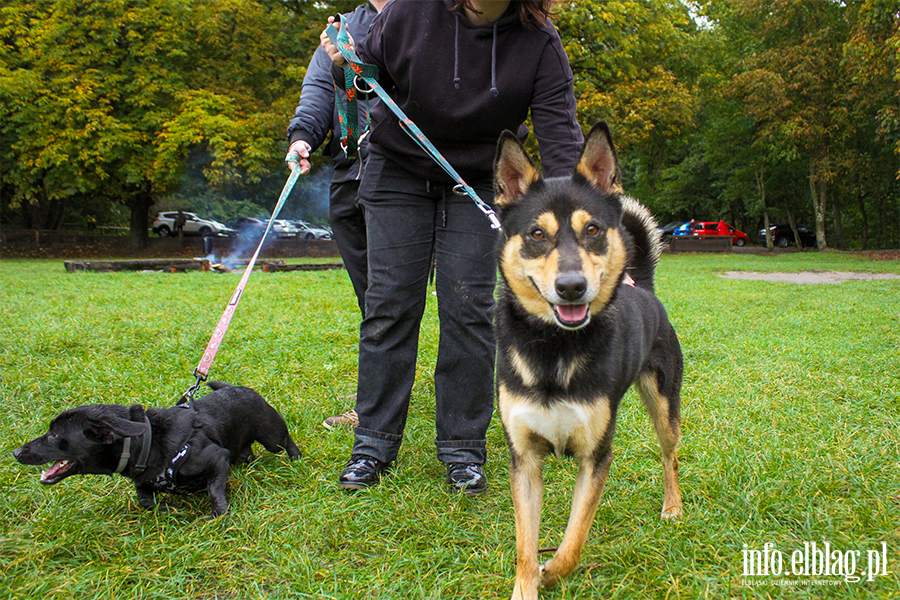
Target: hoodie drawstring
494 89
456 55
456 78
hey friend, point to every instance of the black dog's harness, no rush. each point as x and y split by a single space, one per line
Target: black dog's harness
168 479
140 464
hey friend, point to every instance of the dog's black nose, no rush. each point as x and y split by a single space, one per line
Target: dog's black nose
571 286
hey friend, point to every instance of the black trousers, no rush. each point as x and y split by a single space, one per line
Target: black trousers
348 224
412 224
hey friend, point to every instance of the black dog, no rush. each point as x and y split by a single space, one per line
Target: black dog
577 323
177 450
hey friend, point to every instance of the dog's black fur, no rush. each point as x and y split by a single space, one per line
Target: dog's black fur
217 433
577 322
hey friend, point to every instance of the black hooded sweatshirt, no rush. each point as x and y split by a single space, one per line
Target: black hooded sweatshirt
463 84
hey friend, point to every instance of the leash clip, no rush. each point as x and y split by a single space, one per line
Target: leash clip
462 190
187 399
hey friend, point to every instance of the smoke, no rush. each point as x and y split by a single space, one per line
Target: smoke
309 198
243 247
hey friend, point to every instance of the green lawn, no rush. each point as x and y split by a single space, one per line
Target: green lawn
791 414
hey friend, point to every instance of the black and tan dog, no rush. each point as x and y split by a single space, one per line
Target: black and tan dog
577 323
177 450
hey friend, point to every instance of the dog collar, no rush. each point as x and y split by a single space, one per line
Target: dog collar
141 464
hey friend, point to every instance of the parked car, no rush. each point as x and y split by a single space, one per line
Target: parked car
716 229
283 228
164 225
783 235
311 232
669 229
686 228
248 226
256 226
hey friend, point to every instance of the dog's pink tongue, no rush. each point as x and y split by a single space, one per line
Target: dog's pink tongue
56 469
572 313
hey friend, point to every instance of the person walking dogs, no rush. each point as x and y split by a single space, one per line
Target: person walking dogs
315 117
463 71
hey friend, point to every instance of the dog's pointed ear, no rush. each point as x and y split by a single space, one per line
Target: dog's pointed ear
513 170
598 163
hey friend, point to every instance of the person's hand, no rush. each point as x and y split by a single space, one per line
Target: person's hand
298 154
333 53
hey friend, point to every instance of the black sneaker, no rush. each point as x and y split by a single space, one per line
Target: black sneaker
361 471
468 478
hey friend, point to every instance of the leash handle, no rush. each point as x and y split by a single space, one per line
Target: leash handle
348 111
202 370
369 74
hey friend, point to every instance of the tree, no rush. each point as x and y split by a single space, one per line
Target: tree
793 86
109 98
634 67
873 54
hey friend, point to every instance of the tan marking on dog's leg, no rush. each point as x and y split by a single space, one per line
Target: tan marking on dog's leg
588 492
669 433
527 487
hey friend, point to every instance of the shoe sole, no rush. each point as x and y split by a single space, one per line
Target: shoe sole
333 426
346 485
353 487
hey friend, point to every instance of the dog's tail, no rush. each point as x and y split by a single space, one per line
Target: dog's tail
646 242
218 385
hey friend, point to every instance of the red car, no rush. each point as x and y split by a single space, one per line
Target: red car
720 228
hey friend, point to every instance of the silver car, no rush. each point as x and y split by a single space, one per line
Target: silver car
164 225
309 231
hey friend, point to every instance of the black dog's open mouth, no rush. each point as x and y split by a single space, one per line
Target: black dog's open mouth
56 473
571 316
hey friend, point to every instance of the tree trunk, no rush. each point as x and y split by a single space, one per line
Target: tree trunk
860 201
761 188
138 236
28 213
56 213
838 222
793 223
817 189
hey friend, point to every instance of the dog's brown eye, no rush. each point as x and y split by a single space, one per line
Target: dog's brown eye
592 230
537 234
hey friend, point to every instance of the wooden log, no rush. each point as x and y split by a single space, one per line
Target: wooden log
690 243
302 267
147 264
169 265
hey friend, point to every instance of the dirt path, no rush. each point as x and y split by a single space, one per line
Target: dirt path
808 276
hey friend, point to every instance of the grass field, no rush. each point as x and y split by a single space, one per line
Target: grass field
791 414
